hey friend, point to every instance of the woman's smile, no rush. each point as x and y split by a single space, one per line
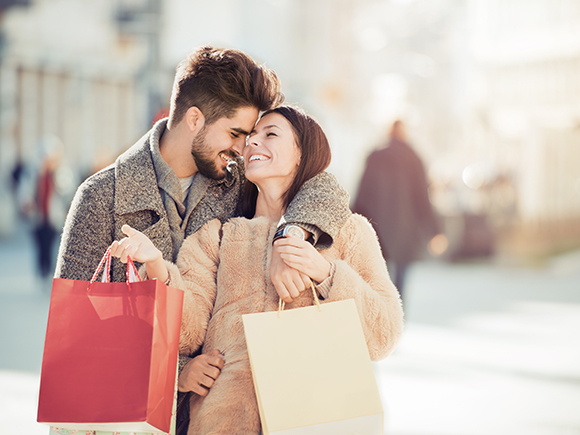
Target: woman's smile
258 157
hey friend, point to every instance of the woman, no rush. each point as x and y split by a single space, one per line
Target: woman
224 269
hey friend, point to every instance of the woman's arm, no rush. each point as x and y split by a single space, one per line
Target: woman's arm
362 275
359 274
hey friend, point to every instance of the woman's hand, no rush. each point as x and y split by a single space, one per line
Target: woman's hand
304 257
140 248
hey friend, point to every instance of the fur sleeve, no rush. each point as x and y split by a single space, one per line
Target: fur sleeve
361 274
195 272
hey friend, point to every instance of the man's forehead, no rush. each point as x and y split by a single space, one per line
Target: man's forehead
242 121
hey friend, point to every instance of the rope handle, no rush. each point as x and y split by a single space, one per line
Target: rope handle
131 274
282 304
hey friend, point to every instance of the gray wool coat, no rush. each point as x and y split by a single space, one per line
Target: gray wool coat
127 193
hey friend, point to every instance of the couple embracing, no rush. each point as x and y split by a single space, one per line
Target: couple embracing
239 213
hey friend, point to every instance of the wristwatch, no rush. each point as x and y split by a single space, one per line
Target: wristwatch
290 231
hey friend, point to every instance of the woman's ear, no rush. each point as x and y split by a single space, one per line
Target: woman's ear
194 119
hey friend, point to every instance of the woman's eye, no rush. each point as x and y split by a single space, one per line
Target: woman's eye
271 134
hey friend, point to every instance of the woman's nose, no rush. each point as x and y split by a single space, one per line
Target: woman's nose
252 140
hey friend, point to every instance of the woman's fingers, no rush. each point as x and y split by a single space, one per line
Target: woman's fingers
118 249
303 257
123 248
129 231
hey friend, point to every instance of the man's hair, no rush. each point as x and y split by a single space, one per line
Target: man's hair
218 82
315 156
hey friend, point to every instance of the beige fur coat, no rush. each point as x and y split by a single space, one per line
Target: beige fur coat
224 270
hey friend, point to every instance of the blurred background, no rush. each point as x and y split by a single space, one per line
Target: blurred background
489 91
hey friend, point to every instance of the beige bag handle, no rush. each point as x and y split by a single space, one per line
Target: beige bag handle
281 303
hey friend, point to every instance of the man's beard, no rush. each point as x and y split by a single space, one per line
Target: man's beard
204 158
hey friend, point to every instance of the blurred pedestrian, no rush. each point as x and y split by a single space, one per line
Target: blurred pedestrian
393 195
44 232
16 174
45 208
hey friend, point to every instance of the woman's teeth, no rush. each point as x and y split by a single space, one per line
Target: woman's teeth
258 157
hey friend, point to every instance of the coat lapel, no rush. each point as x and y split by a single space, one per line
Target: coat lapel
136 183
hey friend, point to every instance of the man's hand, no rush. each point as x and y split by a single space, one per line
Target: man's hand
289 282
200 373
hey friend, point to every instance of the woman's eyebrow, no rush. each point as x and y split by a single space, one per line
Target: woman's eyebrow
265 128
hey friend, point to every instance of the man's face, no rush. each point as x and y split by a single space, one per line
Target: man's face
216 144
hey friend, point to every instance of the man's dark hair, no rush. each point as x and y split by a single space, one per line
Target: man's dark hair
315 156
218 82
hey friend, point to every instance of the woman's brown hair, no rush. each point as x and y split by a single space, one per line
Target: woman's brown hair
315 156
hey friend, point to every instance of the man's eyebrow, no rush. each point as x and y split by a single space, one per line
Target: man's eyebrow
240 131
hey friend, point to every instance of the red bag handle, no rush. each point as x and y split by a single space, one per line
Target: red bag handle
131 274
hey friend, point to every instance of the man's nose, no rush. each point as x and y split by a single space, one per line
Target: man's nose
239 145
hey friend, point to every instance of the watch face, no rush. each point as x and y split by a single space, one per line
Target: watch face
294 231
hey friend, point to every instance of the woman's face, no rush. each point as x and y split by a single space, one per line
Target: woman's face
271 153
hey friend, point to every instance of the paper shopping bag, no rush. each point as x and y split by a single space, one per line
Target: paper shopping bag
110 356
312 371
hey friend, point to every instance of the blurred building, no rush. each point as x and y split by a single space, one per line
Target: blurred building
71 70
79 71
489 90
525 113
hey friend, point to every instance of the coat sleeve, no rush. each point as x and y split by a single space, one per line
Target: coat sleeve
361 274
366 193
88 229
322 207
195 273
423 208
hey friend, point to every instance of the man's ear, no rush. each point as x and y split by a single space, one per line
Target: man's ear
194 119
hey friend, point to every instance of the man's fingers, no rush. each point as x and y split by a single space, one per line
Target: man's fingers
216 361
207 382
211 372
200 390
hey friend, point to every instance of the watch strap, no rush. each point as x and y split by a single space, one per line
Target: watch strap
280 233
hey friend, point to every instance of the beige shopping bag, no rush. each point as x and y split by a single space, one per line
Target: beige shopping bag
312 371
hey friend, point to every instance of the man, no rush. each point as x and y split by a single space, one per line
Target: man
393 195
186 171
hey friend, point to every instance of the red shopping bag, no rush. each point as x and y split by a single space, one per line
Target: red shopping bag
110 355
